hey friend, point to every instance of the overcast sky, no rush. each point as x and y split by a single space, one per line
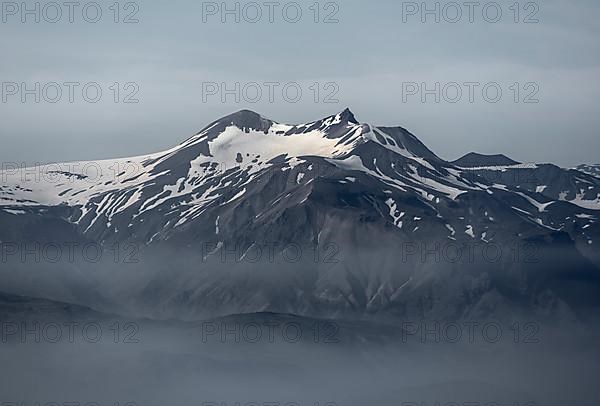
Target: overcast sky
369 60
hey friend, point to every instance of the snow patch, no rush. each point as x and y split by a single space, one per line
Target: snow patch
469 231
394 212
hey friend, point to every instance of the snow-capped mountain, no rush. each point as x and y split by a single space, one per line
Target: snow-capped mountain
590 169
333 217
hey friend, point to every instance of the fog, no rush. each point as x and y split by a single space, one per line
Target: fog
108 360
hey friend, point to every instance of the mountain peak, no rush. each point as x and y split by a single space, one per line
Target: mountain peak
247 119
474 159
243 119
347 116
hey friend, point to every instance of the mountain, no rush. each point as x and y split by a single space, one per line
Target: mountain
474 160
332 218
590 169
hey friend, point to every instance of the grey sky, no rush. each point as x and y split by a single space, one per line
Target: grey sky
368 54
